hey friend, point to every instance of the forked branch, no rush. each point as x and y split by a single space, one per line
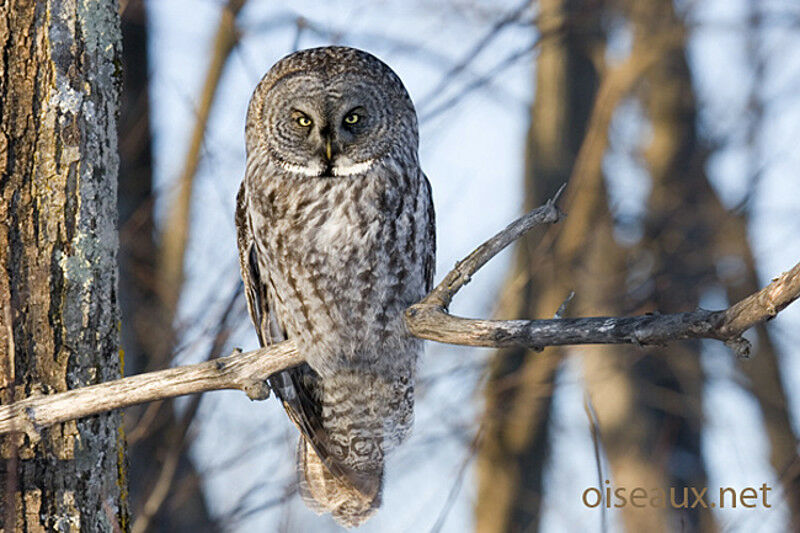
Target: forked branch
427 319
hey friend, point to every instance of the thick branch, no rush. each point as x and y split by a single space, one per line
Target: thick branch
244 371
434 323
428 319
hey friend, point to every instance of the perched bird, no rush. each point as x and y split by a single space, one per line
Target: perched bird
336 238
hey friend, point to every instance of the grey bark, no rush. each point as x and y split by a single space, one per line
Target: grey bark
59 88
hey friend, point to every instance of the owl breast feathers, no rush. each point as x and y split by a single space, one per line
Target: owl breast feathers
336 238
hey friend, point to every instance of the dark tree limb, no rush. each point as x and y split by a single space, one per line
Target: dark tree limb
427 319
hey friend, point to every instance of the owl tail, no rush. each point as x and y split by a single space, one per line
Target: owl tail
351 501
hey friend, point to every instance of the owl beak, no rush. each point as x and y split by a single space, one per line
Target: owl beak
328 148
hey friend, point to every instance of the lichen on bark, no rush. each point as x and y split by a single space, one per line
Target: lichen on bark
59 87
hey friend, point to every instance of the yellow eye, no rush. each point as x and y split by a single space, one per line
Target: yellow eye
351 119
303 121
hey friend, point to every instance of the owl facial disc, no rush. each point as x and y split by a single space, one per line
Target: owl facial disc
332 112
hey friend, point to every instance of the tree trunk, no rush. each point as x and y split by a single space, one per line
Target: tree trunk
649 404
519 393
59 85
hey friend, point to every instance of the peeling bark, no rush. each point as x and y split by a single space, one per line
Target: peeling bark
59 85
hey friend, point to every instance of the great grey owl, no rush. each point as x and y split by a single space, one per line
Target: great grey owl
336 238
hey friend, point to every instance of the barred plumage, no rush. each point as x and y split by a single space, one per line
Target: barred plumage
336 238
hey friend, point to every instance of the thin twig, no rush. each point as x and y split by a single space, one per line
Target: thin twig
562 309
473 52
594 428
457 484
443 293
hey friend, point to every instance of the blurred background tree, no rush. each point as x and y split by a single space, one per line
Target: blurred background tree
165 492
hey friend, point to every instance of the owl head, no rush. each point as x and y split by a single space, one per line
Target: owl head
331 111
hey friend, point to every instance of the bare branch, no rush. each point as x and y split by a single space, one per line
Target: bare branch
243 371
762 305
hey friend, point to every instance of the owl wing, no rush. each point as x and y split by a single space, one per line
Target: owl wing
296 387
254 290
429 261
